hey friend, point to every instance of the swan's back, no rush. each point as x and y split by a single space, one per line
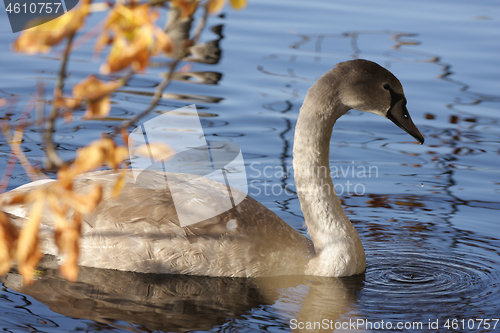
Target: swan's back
139 230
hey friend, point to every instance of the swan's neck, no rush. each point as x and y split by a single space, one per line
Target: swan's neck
337 244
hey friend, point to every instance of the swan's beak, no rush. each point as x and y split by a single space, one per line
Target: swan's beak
399 115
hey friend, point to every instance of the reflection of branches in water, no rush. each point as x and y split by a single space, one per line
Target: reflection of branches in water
402 41
291 74
447 72
404 44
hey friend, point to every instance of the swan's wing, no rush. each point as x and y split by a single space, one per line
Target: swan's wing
148 206
140 230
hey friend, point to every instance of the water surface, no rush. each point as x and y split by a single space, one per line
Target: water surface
427 215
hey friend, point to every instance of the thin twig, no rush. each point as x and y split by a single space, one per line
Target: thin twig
167 77
154 101
15 146
9 169
53 159
201 24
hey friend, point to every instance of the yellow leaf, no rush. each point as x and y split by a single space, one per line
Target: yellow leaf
215 6
98 108
238 4
133 38
124 53
120 183
96 92
67 238
8 239
41 38
102 40
64 102
116 158
99 152
88 158
157 150
127 18
163 42
187 7
28 254
14 199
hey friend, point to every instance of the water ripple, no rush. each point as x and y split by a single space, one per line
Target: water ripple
432 279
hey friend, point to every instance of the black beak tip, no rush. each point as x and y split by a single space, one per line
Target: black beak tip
420 138
399 115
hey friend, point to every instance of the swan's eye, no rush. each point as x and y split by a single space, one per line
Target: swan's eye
386 86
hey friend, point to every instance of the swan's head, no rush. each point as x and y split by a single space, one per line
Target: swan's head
367 86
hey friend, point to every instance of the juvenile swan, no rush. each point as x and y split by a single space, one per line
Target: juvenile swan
139 230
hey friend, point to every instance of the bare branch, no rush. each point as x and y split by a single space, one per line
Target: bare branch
53 159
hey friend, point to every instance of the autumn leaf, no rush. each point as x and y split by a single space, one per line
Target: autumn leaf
28 253
125 53
163 42
67 237
215 6
187 7
98 153
133 37
120 183
64 102
96 93
8 239
157 150
238 4
41 38
69 269
103 40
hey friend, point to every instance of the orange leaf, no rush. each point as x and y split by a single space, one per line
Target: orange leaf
41 38
119 154
98 108
64 102
99 152
28 254
67 239
187 7
123 53
156 150
103 40
96 92
120 183
134 37
238 4
215 6
88 158
8 240
127 18
163 42
14 199
92 88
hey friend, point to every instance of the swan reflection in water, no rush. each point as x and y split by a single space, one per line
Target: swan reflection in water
179 303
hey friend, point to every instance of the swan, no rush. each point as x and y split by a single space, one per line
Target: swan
139 230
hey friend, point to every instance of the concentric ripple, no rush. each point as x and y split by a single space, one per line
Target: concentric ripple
404 277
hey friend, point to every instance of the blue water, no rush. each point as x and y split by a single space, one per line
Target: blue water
427 215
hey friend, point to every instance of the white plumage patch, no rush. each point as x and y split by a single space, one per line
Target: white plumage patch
231 225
